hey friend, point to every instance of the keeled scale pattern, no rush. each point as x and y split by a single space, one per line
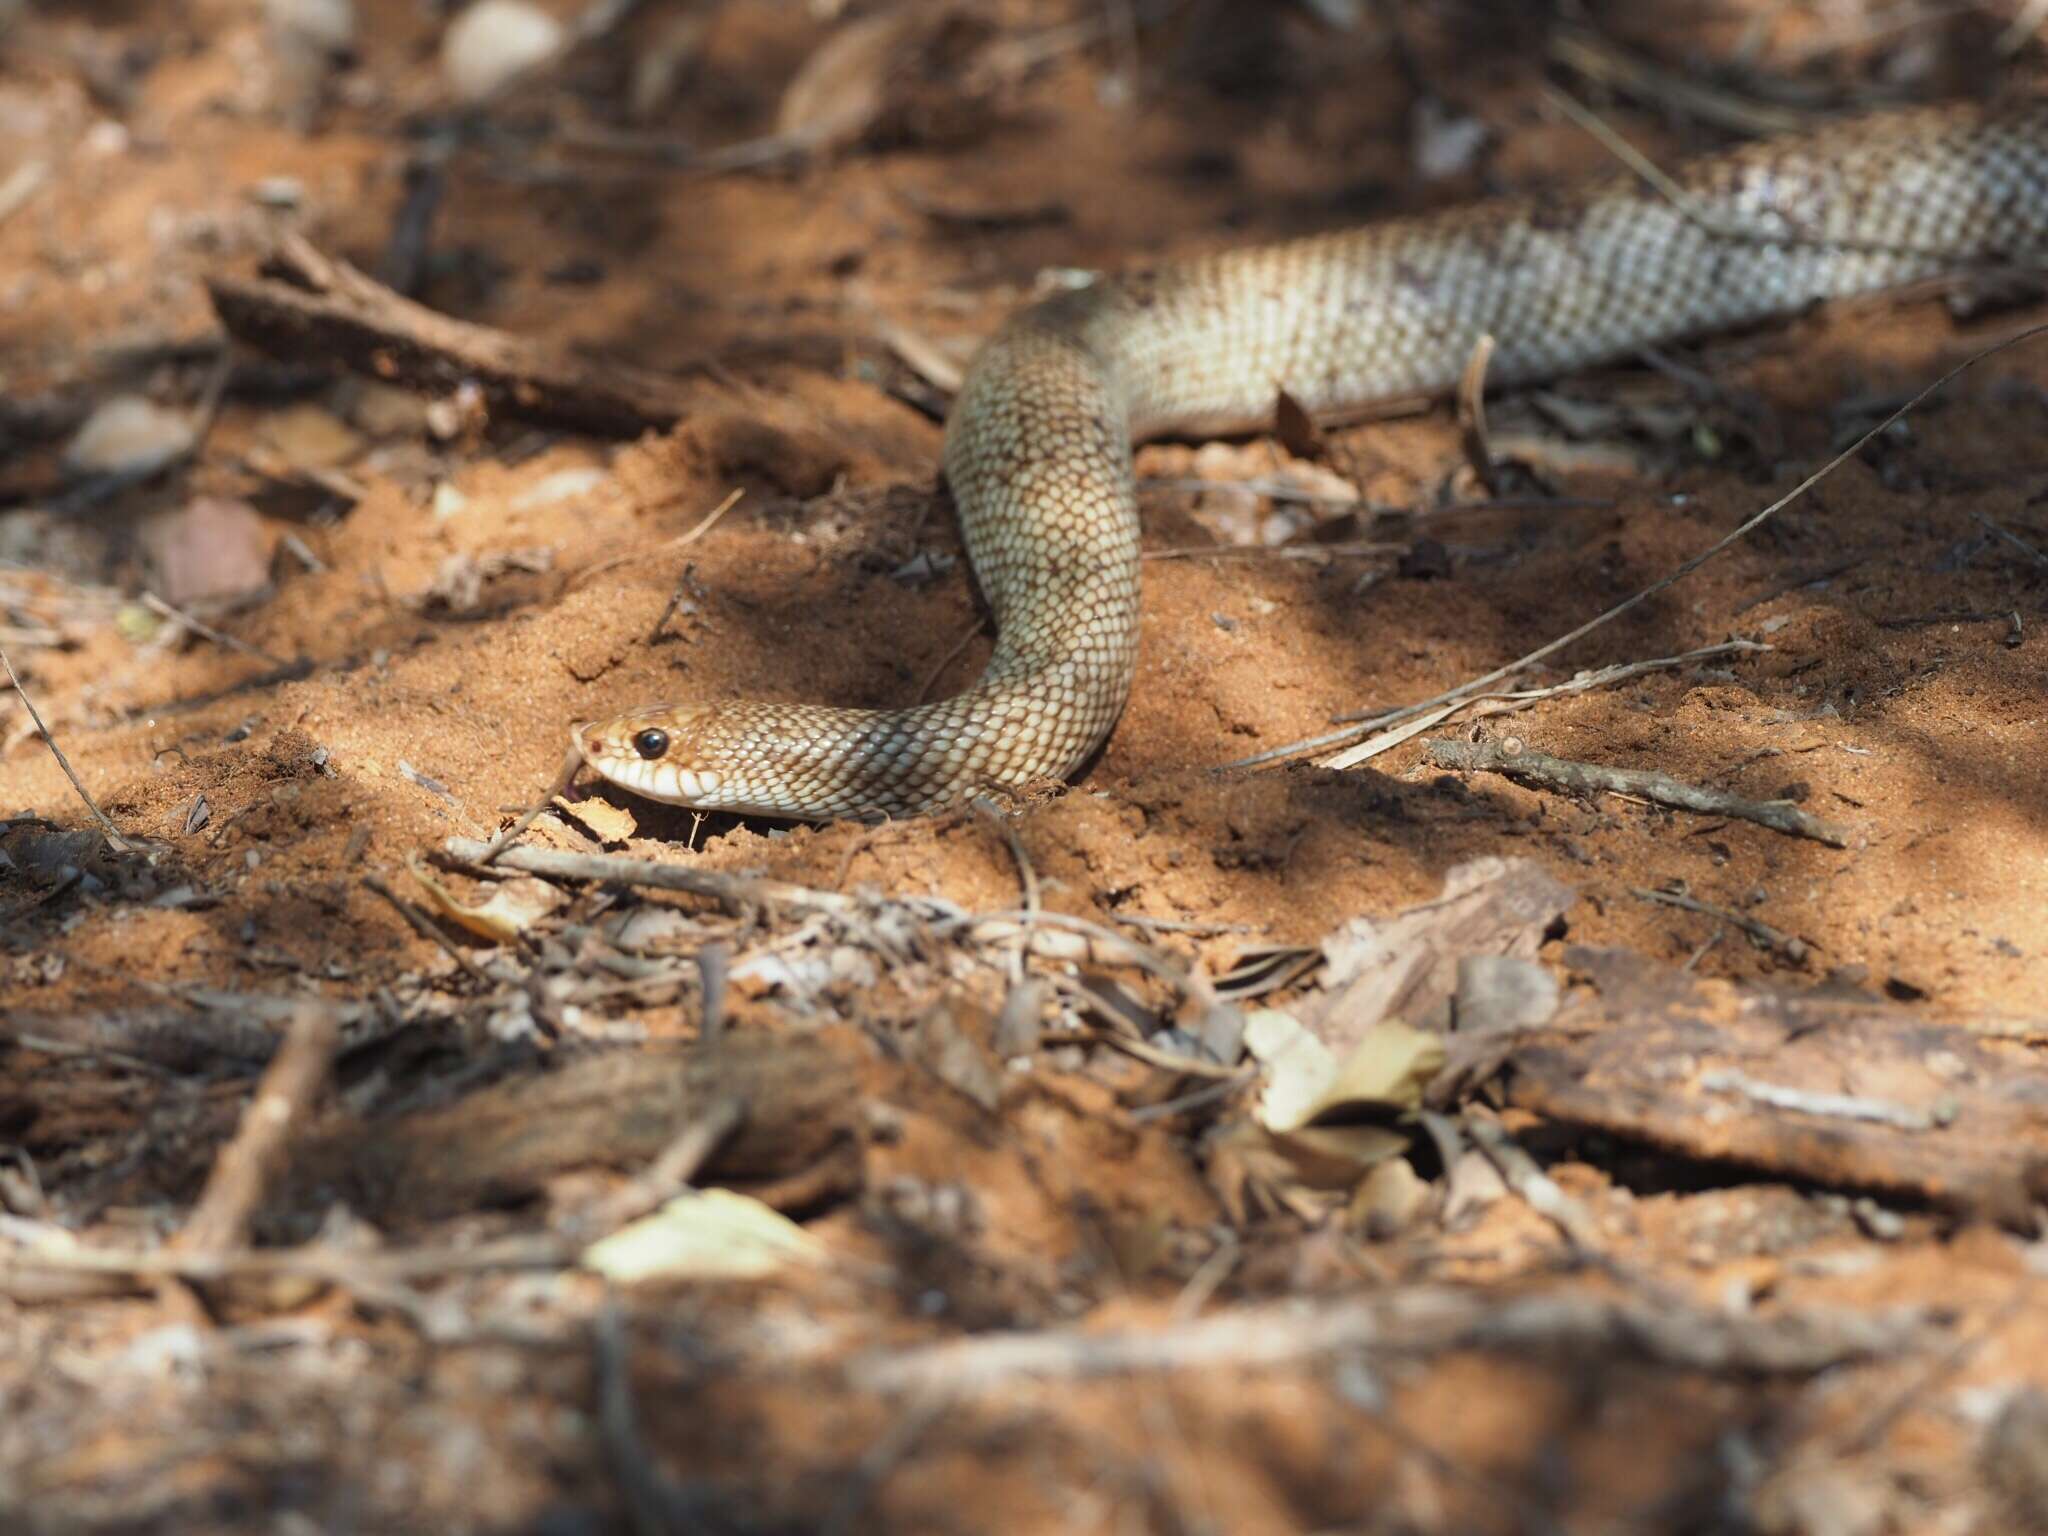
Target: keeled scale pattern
1038 445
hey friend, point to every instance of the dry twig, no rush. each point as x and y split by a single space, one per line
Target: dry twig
1791 946
1560 773
249 1164
315 306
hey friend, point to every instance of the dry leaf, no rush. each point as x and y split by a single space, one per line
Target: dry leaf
1304 1081
494 43
1334 1156
307 436
1299 1068
610 824
1405 966
512 908
1295 428
128 435
956 1059
708 1234
1388 1200
1385 1073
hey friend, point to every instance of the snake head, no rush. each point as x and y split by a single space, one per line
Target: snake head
654 752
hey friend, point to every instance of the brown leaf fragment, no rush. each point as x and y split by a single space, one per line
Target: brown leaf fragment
955 1058
1295 428
844 86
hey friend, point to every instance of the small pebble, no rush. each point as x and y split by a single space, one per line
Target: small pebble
281 192
493 43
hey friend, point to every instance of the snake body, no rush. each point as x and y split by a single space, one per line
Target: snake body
1038 444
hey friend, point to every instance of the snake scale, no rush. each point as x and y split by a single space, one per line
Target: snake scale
1038 444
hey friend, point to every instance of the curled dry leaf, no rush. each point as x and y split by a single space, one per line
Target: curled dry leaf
513 907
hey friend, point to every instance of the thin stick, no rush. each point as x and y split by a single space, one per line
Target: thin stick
681 1161
932 679
1272 551
571 761
1791 946
417 921
1182 924
1409 1321
1542 652
1561 773
654 1505
2013 539
162 609
739 890
119 843
675 600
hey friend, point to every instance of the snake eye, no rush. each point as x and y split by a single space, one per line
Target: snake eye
651 744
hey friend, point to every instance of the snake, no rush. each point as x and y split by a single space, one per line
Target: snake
1038 443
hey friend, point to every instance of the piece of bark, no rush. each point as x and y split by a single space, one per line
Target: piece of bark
1847 1093
307 306
799 1141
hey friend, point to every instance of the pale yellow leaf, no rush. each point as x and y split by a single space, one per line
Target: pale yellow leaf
709 1234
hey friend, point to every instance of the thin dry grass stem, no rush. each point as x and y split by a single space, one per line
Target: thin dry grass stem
1667 187
1601 62
1791 946
113 835
1151 1055
2012 538
683 540
1605 677
1464 692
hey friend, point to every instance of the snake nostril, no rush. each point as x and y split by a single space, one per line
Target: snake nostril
651 744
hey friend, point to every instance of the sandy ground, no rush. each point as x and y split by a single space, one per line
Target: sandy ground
1901 698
